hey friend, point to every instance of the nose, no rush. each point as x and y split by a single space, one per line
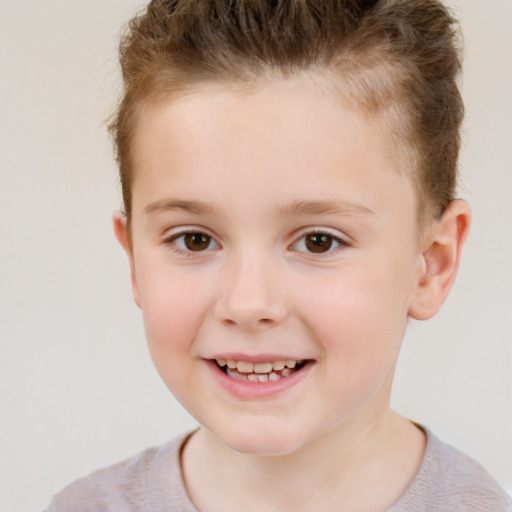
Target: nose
252 295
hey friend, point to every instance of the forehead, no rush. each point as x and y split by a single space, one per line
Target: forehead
286 138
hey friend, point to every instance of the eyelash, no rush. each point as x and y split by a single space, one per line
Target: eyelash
171 241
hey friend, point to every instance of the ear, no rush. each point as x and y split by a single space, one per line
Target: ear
440 260
123 237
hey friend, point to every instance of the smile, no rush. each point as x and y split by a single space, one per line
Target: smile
259 372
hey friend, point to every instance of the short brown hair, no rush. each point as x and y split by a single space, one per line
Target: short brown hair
396 56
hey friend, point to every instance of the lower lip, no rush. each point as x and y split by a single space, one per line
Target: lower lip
247 390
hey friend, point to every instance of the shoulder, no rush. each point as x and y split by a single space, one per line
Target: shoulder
450 480
146 481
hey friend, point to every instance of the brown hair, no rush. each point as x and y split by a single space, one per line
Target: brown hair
396 57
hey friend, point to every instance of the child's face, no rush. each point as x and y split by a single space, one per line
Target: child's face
305 249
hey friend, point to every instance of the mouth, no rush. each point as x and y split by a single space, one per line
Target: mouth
270 371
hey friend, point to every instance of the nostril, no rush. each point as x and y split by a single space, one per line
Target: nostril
260 322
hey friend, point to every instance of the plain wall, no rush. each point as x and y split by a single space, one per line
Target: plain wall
77 387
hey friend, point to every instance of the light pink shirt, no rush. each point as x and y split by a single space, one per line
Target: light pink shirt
446 481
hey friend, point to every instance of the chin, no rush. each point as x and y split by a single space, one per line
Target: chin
261 439
262 446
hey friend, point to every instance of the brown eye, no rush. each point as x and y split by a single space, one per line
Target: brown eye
196 241
318 242
322 243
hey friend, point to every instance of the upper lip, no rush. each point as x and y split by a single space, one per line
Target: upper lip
259 358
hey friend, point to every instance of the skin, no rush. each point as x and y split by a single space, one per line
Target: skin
257 289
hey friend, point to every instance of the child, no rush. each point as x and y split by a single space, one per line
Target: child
288 172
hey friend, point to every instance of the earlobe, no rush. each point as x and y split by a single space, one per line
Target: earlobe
124 238
440 260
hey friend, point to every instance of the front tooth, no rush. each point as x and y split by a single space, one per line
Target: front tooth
263 377
244 367
252 377
231 364
278 365
262 367
291 364
273 376
221 362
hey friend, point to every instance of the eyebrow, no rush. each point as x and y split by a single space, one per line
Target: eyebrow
324 207
194 207
295 208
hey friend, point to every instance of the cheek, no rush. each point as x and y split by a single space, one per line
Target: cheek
173 308
357 316
358 329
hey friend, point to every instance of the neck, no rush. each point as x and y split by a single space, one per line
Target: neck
359 468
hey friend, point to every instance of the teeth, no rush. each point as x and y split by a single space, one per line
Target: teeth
262 367
258 372
247 367
244 367
236 375
259 377
286 372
